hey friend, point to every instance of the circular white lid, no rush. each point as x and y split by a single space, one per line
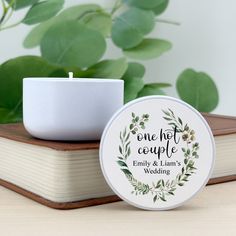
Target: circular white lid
157 152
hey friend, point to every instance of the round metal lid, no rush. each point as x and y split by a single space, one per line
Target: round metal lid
157 152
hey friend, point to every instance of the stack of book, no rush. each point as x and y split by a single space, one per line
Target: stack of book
66 175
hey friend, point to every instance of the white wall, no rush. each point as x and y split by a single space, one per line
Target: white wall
205 41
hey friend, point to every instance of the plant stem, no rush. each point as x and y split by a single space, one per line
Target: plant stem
3 4
85 13
4 13
8 17
10 26
116 6
2 18
168 22
5 17
10 4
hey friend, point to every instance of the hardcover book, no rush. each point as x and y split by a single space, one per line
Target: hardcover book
67 175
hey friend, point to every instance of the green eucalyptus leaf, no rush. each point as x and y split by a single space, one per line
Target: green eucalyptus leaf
198 89
70 43
78 11
11 115
161 7
133 80
78 73
59 73
145 4
148 49
42 11
99 21
159 85
130 27
12 73
63 72
133 86
19 4
35 36
134 69
113 69
149 90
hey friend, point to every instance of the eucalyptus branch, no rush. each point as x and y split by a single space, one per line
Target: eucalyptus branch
2 18
11 4
175 122
168 22
118 4
10 26
3 4
7 15
4 13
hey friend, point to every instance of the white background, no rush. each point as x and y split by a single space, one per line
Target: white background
205 41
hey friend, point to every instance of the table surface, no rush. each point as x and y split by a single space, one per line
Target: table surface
212 212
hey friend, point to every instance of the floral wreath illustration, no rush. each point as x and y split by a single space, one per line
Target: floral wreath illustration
161 189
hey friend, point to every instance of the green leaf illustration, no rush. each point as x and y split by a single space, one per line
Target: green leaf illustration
155 198
163 199
163 188
120 149
121 163
126 171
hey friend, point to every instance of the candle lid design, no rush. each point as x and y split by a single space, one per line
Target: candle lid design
157 152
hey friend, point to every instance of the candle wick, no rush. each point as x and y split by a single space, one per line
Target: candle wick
71 75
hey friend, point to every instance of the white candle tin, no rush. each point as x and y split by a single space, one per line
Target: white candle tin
157 152
69 109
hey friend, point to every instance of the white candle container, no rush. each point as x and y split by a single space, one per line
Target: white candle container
70 109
